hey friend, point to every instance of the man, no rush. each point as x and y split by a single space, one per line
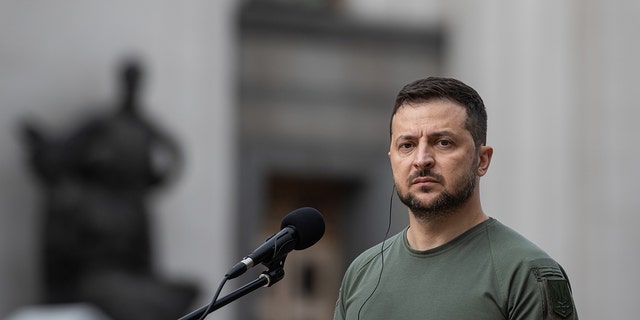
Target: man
452 261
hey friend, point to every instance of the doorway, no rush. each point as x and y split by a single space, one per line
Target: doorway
313 275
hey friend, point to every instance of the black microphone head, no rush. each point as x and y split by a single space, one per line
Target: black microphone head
309 226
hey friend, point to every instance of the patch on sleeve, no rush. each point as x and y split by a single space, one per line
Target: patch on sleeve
559 299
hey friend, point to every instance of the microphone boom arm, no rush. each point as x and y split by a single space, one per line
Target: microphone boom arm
268 278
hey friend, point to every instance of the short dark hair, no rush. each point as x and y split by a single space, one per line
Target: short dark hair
434 88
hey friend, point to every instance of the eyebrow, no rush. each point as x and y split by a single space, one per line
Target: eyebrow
444 133
404 137
436 134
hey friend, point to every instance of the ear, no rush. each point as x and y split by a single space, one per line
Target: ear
484 159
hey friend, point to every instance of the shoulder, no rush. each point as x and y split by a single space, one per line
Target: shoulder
513 253
365 262
534 283
506 243
375 251
362 270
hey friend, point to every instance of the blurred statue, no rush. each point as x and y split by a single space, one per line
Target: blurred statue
96 230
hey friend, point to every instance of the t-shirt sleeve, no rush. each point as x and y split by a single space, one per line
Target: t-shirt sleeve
541 290
348 287
339 312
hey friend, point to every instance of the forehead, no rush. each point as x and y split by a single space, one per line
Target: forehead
431 115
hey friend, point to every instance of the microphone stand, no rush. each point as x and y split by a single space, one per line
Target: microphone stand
268 278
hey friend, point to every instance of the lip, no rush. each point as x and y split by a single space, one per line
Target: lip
424 180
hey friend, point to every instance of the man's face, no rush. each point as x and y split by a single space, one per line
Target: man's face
433 157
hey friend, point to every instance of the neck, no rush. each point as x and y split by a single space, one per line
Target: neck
425 234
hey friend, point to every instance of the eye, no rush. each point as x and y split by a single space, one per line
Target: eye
405 146
445 143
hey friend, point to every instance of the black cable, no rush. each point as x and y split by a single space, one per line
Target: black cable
381 252
215 298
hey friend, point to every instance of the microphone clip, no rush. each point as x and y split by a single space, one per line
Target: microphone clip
275 271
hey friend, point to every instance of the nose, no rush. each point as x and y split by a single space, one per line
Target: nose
424 158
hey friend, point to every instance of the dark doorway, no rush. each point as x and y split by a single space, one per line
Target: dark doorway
312 275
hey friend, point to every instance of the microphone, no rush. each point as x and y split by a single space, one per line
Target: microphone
299 229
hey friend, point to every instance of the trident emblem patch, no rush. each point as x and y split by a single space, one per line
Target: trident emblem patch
559 298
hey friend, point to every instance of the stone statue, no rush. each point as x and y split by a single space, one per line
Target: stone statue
96 181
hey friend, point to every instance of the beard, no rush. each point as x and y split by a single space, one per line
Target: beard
447 202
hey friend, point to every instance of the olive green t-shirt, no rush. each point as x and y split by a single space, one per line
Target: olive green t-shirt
488 272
